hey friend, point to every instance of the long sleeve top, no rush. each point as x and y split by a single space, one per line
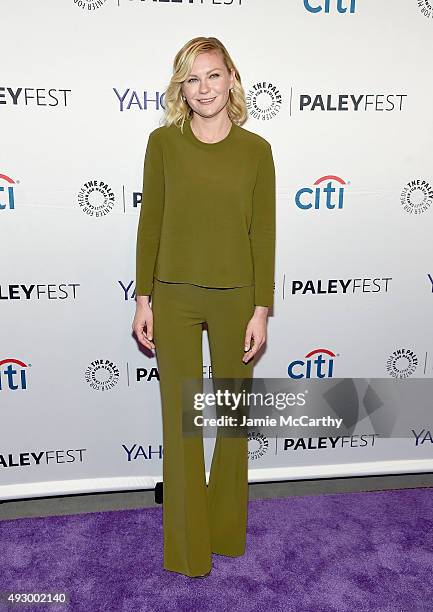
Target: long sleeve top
207 213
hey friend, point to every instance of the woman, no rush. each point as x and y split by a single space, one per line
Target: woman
205 252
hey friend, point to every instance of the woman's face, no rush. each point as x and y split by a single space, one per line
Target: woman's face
208 79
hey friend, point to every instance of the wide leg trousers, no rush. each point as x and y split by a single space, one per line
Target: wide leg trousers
200 520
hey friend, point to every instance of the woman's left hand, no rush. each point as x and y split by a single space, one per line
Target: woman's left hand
255 335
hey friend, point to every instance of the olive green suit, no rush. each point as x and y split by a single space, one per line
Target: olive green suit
205 252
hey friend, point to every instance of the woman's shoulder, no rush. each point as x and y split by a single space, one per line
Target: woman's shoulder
252 138
164 136
161 131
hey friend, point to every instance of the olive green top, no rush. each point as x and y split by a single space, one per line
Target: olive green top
207 213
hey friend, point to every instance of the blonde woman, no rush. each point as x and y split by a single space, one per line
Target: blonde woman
205 254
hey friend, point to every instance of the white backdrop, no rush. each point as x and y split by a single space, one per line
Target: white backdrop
342 91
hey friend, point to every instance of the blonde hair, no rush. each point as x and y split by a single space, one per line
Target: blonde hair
176 109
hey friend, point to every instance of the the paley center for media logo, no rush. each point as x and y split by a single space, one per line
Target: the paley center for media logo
96 198
258 445
102 374
402 363
263 100
89 5
417 196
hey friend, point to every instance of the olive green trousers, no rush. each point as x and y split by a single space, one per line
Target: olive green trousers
200 520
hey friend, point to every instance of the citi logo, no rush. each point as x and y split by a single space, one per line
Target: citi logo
7 199
340 6
13 374
323 195
316 364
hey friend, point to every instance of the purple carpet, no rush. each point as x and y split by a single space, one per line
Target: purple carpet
317 553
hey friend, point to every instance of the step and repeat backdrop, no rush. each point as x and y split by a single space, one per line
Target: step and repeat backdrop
342 90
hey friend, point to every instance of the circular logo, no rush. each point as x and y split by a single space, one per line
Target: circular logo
426 7
89 5
402 363
102 375
263 101
416 197
257 445
96 198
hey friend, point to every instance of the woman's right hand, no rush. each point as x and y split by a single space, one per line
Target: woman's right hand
142 325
